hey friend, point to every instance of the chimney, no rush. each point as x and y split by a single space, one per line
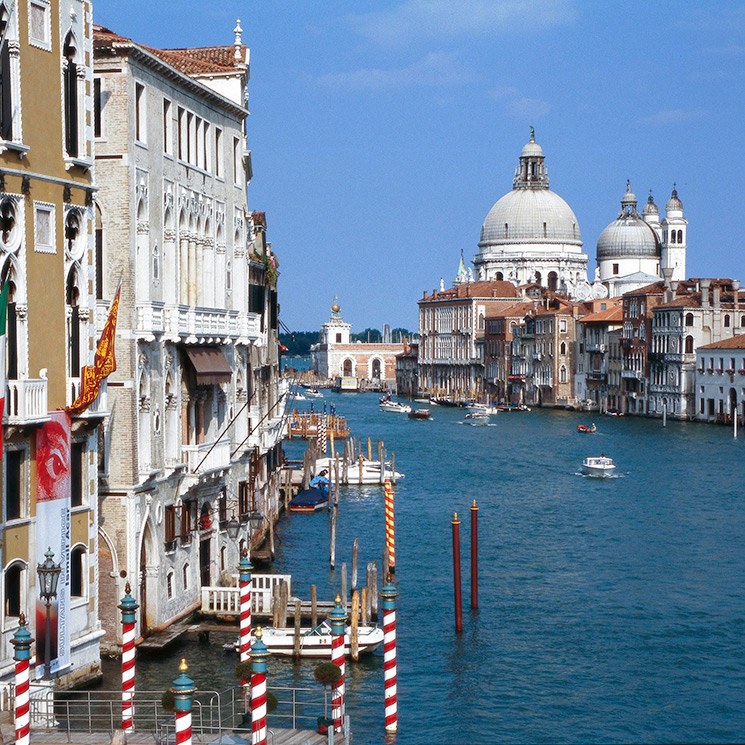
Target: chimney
736 293
667 274
717 295
705 284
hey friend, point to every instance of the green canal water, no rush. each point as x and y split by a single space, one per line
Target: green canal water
610 610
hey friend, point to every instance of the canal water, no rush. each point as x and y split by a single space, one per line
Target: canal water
611 610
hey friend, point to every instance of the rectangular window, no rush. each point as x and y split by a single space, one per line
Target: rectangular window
189 137
14 483
181 134
244 501
77 473
218 152
140 134
44 239
167 128
39 28
170 524
206 164
236 160
198 142
97 107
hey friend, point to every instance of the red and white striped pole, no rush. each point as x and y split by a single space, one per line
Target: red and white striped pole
259 654
128 606
183 694
390 526
21 642
338 619
244 573
389 594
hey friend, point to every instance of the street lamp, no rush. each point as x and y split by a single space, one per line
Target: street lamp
233 527
255 521
48 573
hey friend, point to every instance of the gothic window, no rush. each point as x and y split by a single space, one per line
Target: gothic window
169 584
563 348
73 233
11 328
228 276
77 572
156 262
186 576
6 82
69 52
14 589
73 333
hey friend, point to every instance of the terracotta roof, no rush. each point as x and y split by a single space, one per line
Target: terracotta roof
514 311
610 315
656 288
190 60
488 289
735 342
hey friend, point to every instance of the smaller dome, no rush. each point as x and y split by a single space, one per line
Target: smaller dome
629 197
674 203
628 237
650 208
532 149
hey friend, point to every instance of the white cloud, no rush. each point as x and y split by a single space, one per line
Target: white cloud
431 19
674 116
436 69
521 107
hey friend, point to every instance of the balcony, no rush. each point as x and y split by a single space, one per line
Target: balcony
149 320
26 402
98 408
204 458
596 375
215 323
632 374
625 343
597 348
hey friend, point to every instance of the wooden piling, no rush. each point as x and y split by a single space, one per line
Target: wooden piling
331 443
332 546
344 588
360 468
284 596
364 614
456 575
369 449
354 632
313 606
355 553
474 555
275 606
336 490
298 614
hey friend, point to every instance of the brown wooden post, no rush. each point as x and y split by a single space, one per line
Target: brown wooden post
364 613
354 633
474 555
456 575
313 606
298 613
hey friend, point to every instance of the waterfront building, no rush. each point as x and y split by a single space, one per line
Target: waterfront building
193 440
451 325
720 380
336 355
594 353
693 314
635 250
47 259
615 371
531 234
407 380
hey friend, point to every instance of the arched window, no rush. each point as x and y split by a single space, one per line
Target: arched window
689 345
169 584
156 263
680 236
562 374
538 278
672 236
726 320
223 555
563 348
553 281
73 233
689 319
77 572
228 276
376 369
348 368
73 334
742 321
14 589
11 327
186 576
500 277
69 52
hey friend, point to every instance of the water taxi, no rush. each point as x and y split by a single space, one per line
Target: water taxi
420 414
395 407
598 466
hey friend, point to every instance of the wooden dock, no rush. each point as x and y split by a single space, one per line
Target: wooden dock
277 736
159 640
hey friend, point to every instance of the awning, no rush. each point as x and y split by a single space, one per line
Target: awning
210 365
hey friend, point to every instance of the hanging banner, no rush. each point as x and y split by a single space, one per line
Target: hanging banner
53 532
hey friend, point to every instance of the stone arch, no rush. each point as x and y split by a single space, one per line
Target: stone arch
348 367
148 561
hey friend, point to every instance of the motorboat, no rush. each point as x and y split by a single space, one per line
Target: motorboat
316 642
309 500
513 407
370 471
313 393
420 414
585 430
482 408
600 466
478 417
395 407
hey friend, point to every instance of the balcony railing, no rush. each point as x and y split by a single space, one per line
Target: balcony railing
156 318
27 401
205 458
632 374
98 406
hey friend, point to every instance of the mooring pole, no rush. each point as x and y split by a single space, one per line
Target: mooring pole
456 574
21 642
128 607
474 555
389 594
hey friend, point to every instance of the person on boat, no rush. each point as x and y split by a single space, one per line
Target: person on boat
321 481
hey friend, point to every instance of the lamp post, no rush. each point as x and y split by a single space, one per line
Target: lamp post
48 573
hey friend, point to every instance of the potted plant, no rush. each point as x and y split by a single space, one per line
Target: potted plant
327 674
167 700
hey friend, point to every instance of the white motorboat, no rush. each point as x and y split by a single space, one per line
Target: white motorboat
395 407
478 417
313 393
482 409
316 642
370 471
598 466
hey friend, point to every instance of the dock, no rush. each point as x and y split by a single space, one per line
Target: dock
159 640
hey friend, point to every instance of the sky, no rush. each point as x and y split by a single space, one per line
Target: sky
383 131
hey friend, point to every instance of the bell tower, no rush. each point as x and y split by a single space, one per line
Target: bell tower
674 238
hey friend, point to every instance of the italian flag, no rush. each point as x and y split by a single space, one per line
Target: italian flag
3 323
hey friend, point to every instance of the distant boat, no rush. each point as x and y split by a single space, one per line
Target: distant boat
598 466
585 430
313 393
478 418
513 407
395 407
420 414
309 500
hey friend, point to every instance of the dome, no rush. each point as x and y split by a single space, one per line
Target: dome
532 150
674 204
530 216
650 208
628 237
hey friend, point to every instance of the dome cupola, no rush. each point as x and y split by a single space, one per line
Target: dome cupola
674 207
629 236
650 208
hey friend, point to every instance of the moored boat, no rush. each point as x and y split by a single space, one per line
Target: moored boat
598 466
309 500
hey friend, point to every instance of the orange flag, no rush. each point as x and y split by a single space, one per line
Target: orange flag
104 363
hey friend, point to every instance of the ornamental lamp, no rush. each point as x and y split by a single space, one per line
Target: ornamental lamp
48 573
255 521
233 527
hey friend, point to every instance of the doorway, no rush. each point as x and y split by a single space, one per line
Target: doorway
204 562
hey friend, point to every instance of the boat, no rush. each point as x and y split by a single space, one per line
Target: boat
482 408
598 466
585 430
370 471
513 407
316 642
394 407
420 414
478 417
313 393
309 500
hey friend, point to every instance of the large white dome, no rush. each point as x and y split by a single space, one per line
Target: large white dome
628 237
530 216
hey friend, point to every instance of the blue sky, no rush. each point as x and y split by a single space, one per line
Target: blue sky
382 132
